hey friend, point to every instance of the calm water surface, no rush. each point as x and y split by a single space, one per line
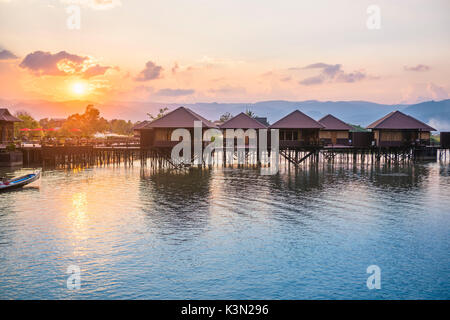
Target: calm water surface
229 233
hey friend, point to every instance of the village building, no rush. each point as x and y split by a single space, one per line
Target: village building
263 120
397 129
298 130
157 133
7 126
242 121
335 131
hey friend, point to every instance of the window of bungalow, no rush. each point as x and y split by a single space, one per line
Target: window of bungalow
169 134
288 135
295 135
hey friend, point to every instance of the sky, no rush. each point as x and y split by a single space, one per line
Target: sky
187 51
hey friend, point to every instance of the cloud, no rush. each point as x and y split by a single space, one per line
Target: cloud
150 72
418 68
321 65
7 55
351 77
286 79
312 80
46 63
175 68
62 64
439 124
227 89
436 92
419 92
267 74
94 4
331 73
94 71
167 92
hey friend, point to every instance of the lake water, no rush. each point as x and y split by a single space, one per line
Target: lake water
229 233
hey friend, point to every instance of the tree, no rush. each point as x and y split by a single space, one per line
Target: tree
357 128
250 113
121 127
225 117
27 122
161 113
89 122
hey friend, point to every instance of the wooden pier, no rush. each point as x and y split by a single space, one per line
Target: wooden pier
69 156
394 155
160 157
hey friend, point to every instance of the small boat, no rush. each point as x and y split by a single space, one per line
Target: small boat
20 181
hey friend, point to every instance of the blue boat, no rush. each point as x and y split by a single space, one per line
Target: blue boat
19 182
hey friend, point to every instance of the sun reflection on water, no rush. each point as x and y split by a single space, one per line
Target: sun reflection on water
78 214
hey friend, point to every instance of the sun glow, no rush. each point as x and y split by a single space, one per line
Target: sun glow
79 88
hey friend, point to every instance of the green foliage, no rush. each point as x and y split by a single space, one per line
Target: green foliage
225 117
436 138
27 122
47 123
250 113
161 113
358 128
121 127
11 147
89 123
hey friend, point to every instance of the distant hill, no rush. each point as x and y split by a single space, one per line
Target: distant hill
435 113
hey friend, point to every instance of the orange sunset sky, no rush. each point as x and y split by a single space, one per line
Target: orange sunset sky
228 51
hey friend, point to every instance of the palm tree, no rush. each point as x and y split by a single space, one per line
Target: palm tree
250 113
161 113
226 116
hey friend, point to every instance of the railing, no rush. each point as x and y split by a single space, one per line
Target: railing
121 142
299 144
421 143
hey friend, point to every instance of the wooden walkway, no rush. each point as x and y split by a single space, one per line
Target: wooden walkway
72 156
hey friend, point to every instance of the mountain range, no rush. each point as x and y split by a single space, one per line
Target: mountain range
435 113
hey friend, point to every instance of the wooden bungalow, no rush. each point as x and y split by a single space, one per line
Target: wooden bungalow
397 129
242 121
335 131
298 130
7 126
444 138
157 133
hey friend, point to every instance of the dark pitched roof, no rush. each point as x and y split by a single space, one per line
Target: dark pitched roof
179 118
330 122
399 120
296 120
242 121
140 125
263 120
5 115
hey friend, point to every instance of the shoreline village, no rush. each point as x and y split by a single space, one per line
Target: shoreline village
183 139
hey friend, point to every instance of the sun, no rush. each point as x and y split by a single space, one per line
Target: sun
79 88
